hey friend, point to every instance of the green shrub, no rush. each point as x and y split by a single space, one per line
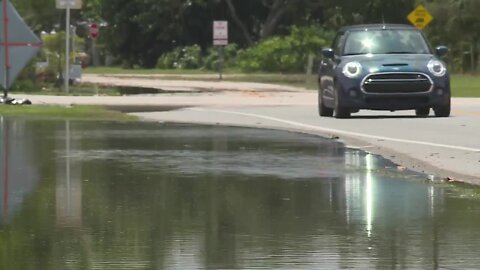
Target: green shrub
276 54
169 60
285 54
53 70
26 80
230 53
189 57
24 85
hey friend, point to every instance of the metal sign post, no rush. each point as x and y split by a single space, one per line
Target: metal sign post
7 60
68 5
220 63
94 32
67 50
220 39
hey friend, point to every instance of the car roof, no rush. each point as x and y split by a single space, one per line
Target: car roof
376 27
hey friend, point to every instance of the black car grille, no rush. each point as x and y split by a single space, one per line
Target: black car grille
390 83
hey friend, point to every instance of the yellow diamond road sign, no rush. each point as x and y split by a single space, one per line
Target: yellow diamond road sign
420 17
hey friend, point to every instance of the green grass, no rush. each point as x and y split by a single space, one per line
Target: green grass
462 85
298 80
63 112
465 85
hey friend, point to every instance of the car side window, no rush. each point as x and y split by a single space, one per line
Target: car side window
337 45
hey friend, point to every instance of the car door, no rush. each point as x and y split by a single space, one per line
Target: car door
327 70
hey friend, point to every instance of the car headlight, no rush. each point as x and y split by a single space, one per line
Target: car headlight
437 68
352 69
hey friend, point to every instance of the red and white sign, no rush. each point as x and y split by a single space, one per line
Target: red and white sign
220 33
94 32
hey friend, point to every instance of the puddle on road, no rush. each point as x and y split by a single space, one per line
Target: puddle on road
131 90
96 195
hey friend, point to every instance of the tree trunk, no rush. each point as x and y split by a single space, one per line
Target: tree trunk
239 23
477 55
277 10
472 58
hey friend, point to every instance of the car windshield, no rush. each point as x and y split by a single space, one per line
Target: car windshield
390 41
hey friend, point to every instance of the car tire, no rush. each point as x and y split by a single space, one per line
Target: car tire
340 111
443 110
422 112
322 109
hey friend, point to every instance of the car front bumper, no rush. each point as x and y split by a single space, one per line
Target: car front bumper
354 96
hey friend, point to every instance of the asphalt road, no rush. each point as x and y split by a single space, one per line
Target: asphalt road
439 147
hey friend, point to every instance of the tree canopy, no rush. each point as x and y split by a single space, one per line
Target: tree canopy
138 32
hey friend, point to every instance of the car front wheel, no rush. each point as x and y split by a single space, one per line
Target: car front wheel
422 112
340 111
322 109
443 110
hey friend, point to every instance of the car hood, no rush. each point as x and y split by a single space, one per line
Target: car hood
392 62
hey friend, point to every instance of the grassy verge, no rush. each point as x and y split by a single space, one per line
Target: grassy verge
465 85
62 112
462 85
298 80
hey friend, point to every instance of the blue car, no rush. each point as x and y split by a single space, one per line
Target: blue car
383 67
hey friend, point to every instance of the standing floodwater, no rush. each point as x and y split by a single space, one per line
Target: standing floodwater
95 195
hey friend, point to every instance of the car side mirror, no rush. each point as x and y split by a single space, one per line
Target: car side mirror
441 50
328 53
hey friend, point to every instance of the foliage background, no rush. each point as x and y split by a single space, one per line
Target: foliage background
269 35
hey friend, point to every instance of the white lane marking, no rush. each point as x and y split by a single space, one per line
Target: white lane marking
338 131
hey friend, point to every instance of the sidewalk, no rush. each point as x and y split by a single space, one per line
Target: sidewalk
159 82
184 93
